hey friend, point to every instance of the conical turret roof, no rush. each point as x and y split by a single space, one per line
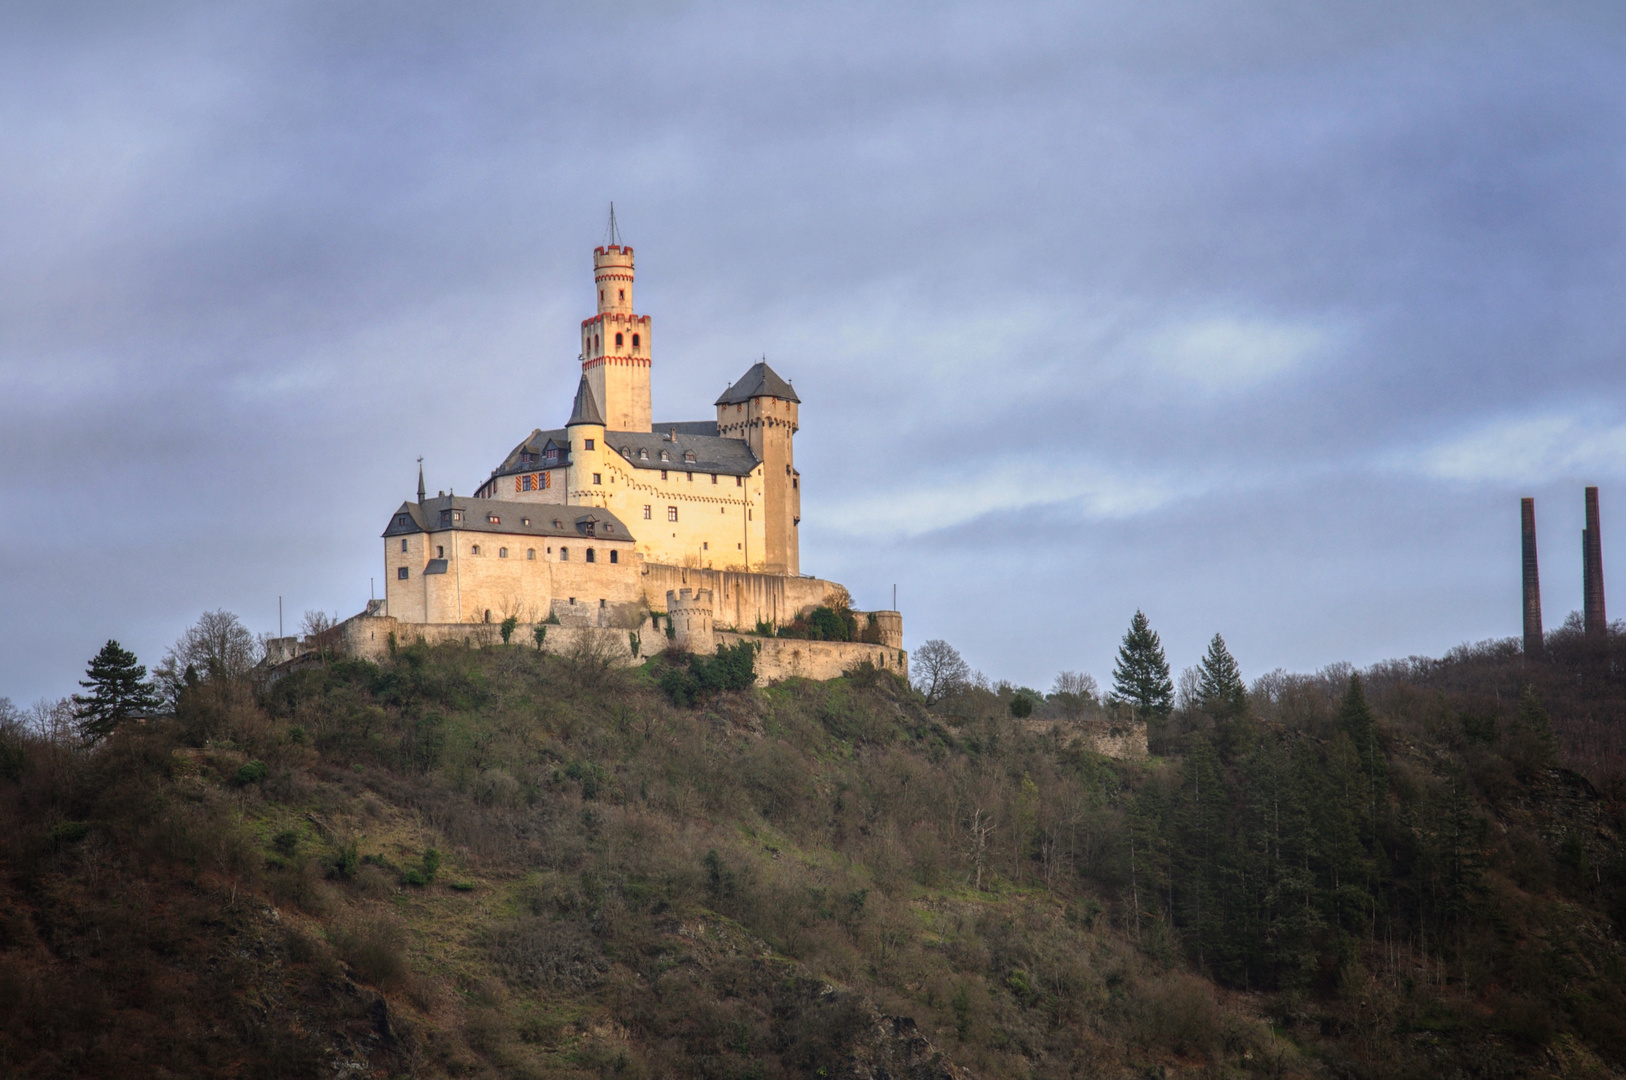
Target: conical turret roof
586 410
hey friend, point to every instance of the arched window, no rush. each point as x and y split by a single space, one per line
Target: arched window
476 549
621 294
502 553
635 341
564 554
530 553
590 555
615 556
618 340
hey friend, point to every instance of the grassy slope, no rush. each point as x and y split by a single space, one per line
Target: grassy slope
773 885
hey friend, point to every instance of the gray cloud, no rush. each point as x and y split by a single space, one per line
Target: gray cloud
1257 316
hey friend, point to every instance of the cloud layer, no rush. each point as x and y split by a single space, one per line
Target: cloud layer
1259 317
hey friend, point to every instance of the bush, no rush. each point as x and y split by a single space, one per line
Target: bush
374 945
286 842
509 625
733 668
251 773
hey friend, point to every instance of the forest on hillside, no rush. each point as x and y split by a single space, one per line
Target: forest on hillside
500 862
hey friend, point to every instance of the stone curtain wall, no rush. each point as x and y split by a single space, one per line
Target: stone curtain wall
367 637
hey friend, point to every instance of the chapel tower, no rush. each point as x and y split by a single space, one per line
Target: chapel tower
762 409
615 342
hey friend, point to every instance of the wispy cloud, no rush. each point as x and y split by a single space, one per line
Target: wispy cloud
1230 353
1525 449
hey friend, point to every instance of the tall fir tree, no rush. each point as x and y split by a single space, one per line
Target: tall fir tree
1219 687
1141 676
1356 720
118 691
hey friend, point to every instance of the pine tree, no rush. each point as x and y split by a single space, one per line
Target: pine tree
1356 720
1141 676
1532 746
118 691
1220 683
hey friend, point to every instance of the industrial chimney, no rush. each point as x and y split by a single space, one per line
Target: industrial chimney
1597 624
1532 581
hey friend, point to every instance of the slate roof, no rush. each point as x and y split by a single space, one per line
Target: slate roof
513 519
760 381
585 410
642 450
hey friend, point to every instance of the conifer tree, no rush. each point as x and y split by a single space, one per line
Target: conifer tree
1219 687
1141 676
1532 746
1356 720
118 691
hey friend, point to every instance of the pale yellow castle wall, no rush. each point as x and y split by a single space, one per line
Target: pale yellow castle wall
739 600
509 488
720 521
516 585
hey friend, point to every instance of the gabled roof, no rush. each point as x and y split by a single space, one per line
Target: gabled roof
712 454
586 410
760 381
537 443
513 519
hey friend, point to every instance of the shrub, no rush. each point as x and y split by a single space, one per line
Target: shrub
286 842
540 633
251 773
374 945
509 625
69 832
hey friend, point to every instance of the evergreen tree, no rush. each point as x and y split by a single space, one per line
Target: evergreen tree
1219 687
1532 746
118 691
1141 676
1356 720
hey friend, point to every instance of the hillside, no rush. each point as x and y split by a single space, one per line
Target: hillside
501 863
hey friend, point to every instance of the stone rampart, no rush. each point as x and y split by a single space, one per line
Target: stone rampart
739 599
785 658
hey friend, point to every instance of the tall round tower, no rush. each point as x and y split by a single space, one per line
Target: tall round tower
615 344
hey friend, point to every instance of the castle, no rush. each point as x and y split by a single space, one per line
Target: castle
614 518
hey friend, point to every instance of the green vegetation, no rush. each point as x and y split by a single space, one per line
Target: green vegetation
118 691
506 863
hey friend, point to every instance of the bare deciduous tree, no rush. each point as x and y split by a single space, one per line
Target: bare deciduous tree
216 647
939 670
1074 692
981 827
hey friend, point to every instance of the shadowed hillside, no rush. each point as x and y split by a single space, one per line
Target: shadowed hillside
499 863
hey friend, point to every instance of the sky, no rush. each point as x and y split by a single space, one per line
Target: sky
1257 317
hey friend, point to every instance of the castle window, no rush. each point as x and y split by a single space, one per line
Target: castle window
401 573
739 481
590 555
400 519
502 553
530 553
524 521
787 470
618 341
643 455
646 511
796 483
445 517
597 478
665 457
705 545
621 294
488 614
615 556
671 513
476 550
690 476
403 543
494 519
587 444
602 604
635 341
688 455
601 296
557 524
608 527
552 454
440 551
564 554
663 474
714 478
525 459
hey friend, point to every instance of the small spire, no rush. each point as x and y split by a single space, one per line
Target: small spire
614 234
420 480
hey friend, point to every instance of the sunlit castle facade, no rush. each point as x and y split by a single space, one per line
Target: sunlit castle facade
606 512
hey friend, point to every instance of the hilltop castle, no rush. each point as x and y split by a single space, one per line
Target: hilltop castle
595 523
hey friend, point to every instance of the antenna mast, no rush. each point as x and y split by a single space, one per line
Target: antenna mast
614 238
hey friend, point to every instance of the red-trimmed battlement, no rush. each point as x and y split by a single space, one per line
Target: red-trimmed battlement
615 361
619 249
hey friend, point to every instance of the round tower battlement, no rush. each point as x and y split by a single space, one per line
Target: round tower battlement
690 612
612 274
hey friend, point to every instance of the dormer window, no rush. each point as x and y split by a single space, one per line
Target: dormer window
445 517
643 455
665 456
688 455
400 519
608 527
525 459
493 519
553 454
557 524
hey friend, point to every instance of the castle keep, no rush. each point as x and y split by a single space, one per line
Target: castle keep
593 524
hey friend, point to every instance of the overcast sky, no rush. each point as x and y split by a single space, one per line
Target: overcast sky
1259 317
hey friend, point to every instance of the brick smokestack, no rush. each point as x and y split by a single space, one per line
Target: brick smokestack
1597 624
1532 581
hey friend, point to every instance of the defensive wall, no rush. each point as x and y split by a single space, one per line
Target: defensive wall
368 637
